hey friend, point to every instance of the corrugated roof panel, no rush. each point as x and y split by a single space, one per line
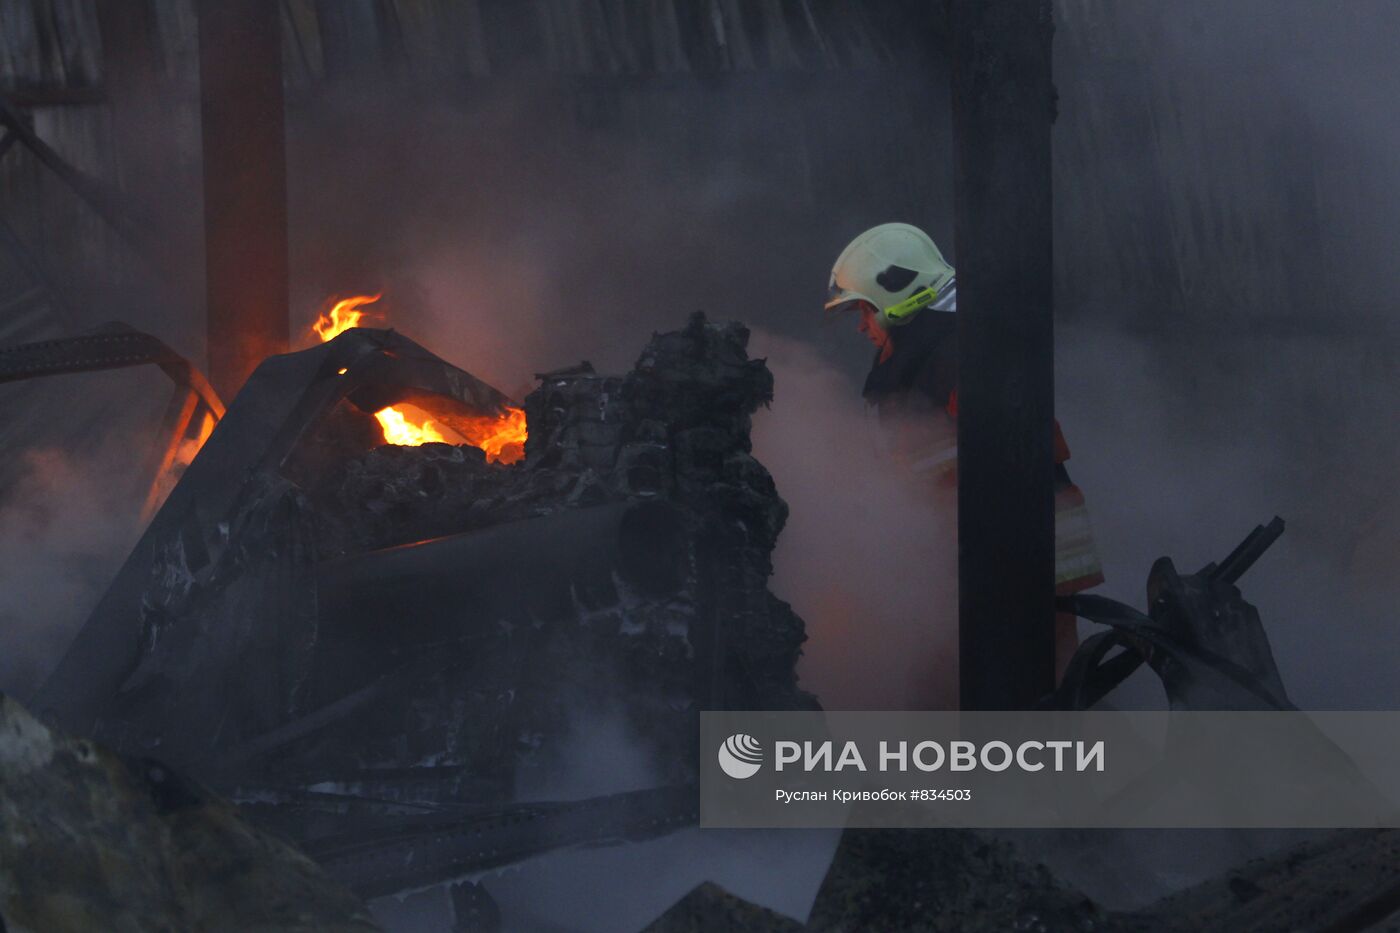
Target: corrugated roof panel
668 53
729 30
566 35
54 44
77 45
21 64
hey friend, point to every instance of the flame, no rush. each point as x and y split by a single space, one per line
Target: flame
343 315
179 454
191 446
398 430
501 437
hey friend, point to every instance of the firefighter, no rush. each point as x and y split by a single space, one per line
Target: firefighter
906 295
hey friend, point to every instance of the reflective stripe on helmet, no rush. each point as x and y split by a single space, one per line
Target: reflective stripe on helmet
944 299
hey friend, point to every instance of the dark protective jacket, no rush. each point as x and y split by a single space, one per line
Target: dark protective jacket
920 379
925 359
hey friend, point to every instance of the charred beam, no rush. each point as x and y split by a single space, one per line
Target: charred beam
245 186
1003 103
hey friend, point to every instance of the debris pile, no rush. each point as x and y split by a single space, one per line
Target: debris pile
395 657
379 648
621 568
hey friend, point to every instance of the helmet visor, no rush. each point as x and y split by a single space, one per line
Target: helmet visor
840 300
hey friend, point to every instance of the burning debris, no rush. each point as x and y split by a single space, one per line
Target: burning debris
500 436
387 648
384 651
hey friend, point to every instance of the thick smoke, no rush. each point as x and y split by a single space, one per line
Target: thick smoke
521 231
1226 208
868 558
63 534
1198 391
1167 473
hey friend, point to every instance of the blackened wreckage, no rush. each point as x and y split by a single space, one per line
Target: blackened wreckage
381 650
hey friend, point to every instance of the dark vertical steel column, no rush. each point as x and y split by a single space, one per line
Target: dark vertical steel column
1003 105
245 186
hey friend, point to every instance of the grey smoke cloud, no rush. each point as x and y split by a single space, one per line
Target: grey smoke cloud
65 526
868 557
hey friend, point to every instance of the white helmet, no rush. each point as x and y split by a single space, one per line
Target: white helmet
897 269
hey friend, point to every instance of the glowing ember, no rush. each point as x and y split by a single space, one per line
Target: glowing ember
502 438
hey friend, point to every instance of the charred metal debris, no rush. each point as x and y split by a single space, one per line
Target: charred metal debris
382 651
1201 638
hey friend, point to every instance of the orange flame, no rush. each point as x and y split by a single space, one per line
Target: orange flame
180 452
402 432
502 438
342 316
